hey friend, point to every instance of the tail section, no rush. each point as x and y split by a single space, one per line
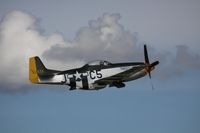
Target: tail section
38 72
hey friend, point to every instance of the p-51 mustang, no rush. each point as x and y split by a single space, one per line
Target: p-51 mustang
92 76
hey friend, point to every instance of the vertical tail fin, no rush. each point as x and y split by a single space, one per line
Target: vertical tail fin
37 70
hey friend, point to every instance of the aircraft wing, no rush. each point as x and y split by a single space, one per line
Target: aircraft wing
120 76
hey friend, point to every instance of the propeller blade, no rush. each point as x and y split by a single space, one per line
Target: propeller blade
146 55
154 64
149 66
150 75
152 86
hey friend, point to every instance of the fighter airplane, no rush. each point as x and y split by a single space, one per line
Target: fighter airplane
93 75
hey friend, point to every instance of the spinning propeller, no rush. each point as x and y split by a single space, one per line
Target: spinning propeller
149 67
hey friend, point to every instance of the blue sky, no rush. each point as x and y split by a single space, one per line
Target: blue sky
172 107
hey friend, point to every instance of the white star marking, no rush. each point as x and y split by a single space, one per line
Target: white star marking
77 75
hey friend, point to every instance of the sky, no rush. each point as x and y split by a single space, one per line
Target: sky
69 33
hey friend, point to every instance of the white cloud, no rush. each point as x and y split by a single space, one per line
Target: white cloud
20 39
103 38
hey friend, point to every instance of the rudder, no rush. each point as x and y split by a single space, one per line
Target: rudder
33 75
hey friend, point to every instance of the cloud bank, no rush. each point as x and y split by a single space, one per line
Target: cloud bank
103 38
20 39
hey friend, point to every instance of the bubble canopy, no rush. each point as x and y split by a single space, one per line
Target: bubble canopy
99 62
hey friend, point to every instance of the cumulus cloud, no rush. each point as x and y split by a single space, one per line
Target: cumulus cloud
103 38
20 39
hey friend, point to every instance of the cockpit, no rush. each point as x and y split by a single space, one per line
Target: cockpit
99 62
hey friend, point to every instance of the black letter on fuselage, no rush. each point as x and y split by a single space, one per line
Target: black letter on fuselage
92 71
99 75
